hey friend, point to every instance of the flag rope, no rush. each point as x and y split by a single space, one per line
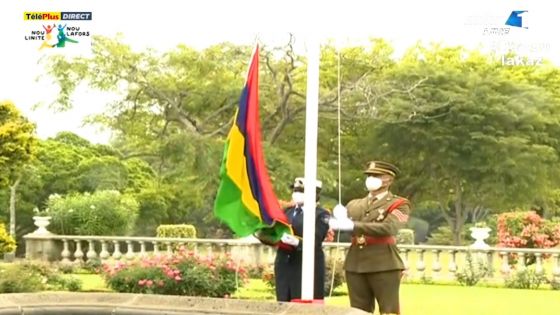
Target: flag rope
336 253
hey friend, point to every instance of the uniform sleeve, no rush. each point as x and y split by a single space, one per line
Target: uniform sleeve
322 225
389 227
321 228
352 207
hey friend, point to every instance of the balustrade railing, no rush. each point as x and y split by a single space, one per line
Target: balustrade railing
436 262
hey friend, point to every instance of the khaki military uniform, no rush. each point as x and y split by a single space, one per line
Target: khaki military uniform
373 265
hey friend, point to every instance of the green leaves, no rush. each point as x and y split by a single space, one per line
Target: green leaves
17 141
466 131
7 243
105 212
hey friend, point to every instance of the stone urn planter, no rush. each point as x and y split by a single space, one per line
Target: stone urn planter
41 222
479 234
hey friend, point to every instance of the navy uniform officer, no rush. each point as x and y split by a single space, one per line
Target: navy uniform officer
289 255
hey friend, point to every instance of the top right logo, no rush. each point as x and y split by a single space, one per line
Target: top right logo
515 19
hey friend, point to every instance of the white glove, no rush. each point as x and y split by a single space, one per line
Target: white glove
340 212
289 239
341 225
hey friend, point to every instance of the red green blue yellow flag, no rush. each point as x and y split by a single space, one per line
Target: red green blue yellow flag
246 201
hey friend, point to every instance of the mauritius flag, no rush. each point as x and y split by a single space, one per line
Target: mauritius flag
246 201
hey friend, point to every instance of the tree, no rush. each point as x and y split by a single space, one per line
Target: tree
105 212
178 107
68 164
473 137
17 142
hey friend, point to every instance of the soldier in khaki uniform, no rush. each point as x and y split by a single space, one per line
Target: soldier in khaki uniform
373 265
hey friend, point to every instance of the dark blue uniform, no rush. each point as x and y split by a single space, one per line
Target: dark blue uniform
287 266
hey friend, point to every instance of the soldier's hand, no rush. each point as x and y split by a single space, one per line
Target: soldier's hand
341 225
340 212
289 239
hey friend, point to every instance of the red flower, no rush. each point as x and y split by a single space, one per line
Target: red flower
526 229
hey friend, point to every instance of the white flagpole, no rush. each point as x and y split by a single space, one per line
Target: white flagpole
311 123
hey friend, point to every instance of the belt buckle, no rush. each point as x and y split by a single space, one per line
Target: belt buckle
361 240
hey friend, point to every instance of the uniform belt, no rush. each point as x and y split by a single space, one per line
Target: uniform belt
370 240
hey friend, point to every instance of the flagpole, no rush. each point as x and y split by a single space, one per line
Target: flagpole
311 124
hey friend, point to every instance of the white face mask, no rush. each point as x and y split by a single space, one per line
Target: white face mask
297 197
373 183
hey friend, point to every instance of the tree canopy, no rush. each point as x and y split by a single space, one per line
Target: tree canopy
471 135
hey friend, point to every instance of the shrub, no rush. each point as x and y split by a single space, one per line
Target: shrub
7 243
474 270
554 284
154 206
338 275
405 236
420 228
257 271
176 230
67 268
444 236
526 230
73 284
425 279
526 278
105 212
268 277
58 282
93 265
184 273
17 279
33 277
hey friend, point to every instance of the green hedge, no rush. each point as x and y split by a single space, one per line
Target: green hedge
176 230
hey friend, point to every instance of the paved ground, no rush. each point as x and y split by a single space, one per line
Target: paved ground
65 303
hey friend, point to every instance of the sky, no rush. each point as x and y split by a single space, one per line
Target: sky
164 24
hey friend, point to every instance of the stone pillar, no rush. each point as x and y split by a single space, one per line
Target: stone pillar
39 244
42 247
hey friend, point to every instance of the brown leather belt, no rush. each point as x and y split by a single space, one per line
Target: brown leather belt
364 240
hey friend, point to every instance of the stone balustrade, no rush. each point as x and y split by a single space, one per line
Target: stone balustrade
436 262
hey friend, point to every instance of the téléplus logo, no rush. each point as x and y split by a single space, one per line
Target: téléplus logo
56 29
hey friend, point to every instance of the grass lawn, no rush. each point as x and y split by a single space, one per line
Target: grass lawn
91 282
419 299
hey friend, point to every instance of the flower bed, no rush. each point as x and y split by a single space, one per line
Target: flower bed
526 230
184 273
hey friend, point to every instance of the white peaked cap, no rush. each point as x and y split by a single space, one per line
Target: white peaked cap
298 183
